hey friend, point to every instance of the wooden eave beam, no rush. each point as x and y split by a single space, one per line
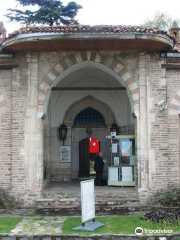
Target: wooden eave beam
8 66
87 88
170 66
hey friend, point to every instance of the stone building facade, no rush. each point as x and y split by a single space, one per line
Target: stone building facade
40 68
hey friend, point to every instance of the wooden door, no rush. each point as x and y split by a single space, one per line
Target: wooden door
84 164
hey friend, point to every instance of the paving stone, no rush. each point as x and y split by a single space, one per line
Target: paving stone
8 238
31 226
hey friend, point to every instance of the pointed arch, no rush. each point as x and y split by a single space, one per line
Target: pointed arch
108 61
92 102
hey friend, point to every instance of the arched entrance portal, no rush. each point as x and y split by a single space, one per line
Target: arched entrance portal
65 105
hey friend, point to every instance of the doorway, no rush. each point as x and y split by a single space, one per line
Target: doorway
84 156
86 159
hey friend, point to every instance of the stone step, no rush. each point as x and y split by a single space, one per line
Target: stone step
114 196
66 199
71 206
71 202
105 210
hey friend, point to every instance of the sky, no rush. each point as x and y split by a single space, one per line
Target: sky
112 12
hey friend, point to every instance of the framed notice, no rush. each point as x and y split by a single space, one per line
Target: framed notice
65 154
114 148
127 173
116 161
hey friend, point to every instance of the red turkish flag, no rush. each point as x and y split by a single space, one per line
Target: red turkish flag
94 146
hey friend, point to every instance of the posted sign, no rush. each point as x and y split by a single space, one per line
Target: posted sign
87 200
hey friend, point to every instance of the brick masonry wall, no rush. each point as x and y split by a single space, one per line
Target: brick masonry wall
13 114
19 94
5 129
163 128
158 134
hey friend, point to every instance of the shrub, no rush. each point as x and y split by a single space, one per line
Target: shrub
165 217
6 201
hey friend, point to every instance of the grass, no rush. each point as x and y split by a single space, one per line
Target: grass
8 223
116 225
113 225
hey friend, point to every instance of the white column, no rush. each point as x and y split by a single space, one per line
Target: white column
33 130
142 126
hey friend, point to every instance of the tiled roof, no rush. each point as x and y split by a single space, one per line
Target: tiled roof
86 29
173 60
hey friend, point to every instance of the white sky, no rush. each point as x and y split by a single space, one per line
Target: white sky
108 12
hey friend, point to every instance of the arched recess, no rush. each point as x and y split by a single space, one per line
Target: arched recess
173 139
114 65
80 134
92 102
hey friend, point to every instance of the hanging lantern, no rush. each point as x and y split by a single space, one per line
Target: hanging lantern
63 132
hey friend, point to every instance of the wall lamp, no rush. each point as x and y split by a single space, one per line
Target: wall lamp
63 132
114 128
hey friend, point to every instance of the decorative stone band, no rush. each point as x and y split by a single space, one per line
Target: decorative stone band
174 103
69 61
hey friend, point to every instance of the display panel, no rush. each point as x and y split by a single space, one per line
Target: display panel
87 200
121 172
113 174
126 148
127 173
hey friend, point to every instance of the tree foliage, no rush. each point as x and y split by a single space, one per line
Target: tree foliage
161 21
48 12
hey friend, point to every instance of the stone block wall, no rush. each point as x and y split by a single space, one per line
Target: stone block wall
14 102
158 133
163 129
90 237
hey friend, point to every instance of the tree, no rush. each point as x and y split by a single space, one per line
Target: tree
160 20
48 12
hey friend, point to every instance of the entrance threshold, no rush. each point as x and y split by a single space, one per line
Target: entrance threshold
86 178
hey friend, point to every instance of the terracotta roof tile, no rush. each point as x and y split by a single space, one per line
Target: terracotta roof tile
86 29
173 60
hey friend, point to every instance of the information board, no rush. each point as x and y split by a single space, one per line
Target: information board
65 154
87 200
